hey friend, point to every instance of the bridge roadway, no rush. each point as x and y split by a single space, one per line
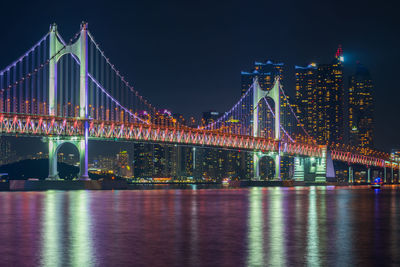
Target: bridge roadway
73 128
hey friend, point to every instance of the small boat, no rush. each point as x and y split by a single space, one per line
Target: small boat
377 183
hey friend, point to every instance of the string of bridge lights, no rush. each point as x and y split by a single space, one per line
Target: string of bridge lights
14 64
141 98
27 76
294 114
273 114
223 117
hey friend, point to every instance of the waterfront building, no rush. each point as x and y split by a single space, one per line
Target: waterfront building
361 108
320 99
265 72
143 160
7 155
123 167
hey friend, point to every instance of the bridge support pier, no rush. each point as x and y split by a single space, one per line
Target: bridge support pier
369 175
298 169
398 175
274 94
278 166
256 166
80 50
54 146
391 175
53 172
351 175
83 158
257 156
320 172
384 174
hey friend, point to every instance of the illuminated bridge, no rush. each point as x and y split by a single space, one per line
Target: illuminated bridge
71 92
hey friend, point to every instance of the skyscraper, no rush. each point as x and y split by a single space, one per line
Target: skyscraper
7 155
265 72
320 99
123 167
306 103
143 158
361 108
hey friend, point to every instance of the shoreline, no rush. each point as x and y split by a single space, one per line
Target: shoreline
43 185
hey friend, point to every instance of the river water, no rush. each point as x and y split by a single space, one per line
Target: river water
301 226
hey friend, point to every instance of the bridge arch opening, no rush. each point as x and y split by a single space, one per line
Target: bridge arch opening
59 152
67 156
267 168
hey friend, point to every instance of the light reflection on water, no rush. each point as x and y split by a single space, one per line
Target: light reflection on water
313 226
51 230
255 255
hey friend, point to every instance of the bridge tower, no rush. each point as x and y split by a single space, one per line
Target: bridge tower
259 94
80 50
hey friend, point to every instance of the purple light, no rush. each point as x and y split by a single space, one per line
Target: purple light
6 69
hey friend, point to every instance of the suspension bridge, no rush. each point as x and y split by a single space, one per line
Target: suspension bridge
71 92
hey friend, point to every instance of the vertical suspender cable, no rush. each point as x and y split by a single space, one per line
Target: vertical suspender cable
98 105
44 87
67 87
26 97
38 83
107 99
1 93
14 99
90 67
72 90
101 78
61 92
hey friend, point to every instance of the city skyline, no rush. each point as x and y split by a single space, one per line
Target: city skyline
199 133
201 72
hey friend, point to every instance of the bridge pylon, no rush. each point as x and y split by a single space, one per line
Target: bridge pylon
259 94
313 168
80 50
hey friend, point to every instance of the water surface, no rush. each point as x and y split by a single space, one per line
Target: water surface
302 226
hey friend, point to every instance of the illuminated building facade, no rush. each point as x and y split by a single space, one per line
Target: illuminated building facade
165 160
361 108
123 167
143 160
265 72
7 155
320 99
306 103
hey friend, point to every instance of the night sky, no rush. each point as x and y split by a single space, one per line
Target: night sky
186 56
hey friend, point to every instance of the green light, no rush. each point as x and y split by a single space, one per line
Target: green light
276 222
255 256
51 228
80 241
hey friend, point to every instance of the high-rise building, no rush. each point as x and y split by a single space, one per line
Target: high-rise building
361 108
320 99
305 96
123 167
265 72
7 155
143 160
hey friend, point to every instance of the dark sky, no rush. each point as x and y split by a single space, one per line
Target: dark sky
187 55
